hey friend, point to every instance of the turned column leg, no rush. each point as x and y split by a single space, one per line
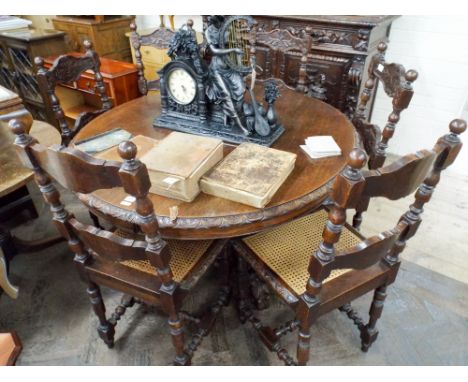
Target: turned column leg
95 220
303 345
105 329
243 282
176 328
357 220
369 333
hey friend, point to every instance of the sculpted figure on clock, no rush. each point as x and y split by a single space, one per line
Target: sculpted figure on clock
226 86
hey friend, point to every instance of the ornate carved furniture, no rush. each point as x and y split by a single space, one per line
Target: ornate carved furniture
120 83
272 49
147 269
314 276
211 217
17 69
68 69
106 33
150 55
397 84
341 49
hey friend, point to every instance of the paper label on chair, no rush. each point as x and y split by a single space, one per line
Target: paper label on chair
380 68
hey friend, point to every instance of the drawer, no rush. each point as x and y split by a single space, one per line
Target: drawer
88 85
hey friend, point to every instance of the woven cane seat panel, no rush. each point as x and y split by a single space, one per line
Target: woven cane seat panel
185 254
286 250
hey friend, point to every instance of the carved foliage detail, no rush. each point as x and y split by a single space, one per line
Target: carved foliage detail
280 39
68 68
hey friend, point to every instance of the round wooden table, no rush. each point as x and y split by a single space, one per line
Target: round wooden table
209 217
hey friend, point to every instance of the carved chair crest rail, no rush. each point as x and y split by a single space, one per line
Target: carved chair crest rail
66 69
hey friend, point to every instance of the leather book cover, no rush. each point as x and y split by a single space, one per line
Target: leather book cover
178 162
250 174
143 144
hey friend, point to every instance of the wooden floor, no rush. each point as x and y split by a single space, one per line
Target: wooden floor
425 319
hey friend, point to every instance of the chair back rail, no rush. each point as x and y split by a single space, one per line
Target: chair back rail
67 69
108 245
361 256
283 41
394 182
73 169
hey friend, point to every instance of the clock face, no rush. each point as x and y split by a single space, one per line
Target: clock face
182 86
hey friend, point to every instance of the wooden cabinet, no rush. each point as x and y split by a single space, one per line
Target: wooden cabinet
120 81
107 34
17 69
339 56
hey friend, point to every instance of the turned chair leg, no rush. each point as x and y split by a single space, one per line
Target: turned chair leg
95 220
369 333
303 345
176 328
242 290
105 329
357 220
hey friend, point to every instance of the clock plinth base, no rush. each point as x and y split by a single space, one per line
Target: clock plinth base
229 134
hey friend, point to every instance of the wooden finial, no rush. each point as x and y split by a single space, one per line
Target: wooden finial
357 159
190 23
127 150
17 127
87 44
133 27
382 47
39 61
411 75
457 126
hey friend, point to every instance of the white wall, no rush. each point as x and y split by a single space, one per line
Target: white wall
437 47
147 21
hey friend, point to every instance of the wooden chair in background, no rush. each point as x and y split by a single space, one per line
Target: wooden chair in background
150 48
271 50
397 84
66 69
315 276
150 270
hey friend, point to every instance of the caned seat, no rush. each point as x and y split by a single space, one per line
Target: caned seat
289 259
185 256
318 263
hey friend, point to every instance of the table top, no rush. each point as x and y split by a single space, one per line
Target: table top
209 217
12 174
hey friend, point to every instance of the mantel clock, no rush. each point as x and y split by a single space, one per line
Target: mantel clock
212 98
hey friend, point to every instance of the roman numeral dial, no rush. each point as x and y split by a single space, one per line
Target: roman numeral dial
182 86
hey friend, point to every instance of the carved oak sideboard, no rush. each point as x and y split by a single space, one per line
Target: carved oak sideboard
338 58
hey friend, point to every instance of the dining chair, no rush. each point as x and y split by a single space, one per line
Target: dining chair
315 270
397 84
272 49
150 269
154 47
67 69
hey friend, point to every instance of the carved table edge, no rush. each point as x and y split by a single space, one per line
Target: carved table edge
208 222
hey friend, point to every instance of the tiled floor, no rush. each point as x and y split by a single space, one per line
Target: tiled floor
425 319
